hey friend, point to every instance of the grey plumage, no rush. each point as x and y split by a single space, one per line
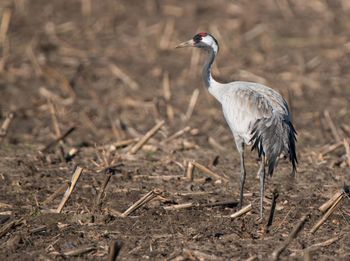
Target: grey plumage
273 137
256 114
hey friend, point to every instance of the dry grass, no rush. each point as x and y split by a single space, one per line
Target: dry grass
100 86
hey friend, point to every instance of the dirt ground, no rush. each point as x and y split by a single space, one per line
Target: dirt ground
109 70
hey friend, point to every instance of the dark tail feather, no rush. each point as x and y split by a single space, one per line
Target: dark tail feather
273 136
291 147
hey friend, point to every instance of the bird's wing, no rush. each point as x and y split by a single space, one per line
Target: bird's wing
243 108
250 103
274 98
262 119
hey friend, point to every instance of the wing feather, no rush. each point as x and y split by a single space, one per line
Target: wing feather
260 116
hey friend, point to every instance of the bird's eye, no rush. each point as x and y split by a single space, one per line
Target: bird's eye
197 38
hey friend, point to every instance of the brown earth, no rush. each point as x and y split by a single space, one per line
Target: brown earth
60 60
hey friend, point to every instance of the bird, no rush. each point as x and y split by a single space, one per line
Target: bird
257 115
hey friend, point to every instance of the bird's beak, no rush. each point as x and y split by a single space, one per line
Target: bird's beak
189 43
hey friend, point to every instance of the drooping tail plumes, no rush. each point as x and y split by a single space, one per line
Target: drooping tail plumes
272 137
291 146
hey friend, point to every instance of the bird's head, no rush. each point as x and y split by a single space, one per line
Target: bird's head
201 40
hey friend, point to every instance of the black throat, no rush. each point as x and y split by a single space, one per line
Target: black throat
206 73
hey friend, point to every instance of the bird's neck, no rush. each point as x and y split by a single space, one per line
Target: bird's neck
207 77
214 87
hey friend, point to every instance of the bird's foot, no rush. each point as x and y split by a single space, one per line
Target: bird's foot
292 174
240 204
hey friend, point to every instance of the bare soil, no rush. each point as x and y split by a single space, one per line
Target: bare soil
60 68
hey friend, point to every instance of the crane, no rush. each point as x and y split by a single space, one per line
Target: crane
256 114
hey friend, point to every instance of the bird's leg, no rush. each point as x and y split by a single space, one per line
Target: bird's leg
243 173
261 174
258 173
